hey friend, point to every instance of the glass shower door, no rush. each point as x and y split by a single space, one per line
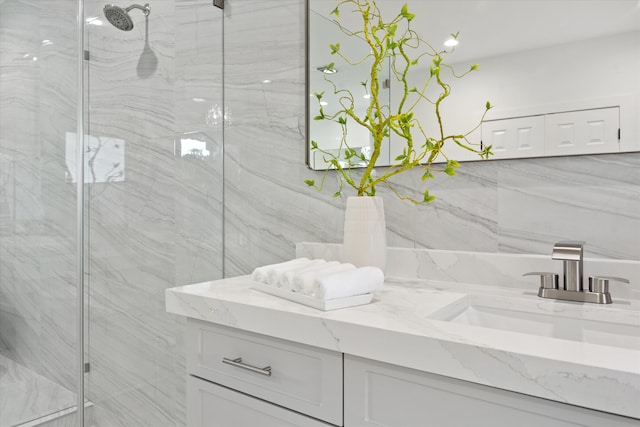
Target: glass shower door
154 204
39 86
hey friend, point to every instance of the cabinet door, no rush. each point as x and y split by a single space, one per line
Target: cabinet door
582 132
211 405
378 394
515 138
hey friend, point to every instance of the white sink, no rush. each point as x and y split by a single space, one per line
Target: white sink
602 325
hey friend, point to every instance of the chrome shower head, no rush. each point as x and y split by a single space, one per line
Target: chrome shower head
120 18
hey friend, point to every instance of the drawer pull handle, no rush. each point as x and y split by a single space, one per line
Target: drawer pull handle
240 364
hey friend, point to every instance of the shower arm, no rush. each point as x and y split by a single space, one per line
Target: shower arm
146 9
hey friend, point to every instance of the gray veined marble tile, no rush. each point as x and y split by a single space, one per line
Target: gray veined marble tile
25 395
591 198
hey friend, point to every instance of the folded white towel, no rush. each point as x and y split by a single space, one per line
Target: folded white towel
274 273
285 280
303 282
302 279
363 280
261 274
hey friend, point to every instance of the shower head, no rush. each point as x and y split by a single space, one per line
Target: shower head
120 18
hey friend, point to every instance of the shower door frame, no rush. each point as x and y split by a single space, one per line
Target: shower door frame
80 209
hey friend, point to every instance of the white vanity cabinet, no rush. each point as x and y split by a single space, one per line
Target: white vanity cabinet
241 379
231 369
211 405
383 395
253 359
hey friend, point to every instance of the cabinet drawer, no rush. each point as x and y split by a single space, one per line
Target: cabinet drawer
211 405
303 378
382 395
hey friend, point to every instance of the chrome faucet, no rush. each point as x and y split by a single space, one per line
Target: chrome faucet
572 289
570 253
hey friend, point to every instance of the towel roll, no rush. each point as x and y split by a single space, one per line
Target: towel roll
303 282
344 284
274 273
303 279
261 274
285 280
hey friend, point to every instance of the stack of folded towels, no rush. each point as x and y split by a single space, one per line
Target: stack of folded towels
324 280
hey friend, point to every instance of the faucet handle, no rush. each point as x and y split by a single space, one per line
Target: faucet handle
600 284
547 280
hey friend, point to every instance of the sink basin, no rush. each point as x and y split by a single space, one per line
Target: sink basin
594 325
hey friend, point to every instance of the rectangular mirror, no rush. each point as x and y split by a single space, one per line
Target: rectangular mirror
563 75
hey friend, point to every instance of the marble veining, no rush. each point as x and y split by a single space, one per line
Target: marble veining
491 269
397 328
26 395
508 207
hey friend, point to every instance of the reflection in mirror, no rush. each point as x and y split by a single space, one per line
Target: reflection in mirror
562 75
326 133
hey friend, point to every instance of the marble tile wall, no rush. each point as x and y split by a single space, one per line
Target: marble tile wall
512 206
484 268
161 226
154 89
38 89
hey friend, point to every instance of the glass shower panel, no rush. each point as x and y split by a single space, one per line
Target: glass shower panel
154 216
38 221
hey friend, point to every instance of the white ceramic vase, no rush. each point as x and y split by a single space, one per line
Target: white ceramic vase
365 232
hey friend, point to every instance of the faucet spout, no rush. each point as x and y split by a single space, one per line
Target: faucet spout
571 255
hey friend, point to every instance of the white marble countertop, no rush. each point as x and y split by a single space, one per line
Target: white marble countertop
396 328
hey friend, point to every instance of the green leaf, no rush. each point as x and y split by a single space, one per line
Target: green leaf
400 157
454 163
474 67
450 170
335 12
337 194
314 145
405 13
319 95
335 48
318 118
310 182
427 198
427 175
488 105
342 120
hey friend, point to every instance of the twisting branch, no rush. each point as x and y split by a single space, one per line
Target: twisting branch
392 42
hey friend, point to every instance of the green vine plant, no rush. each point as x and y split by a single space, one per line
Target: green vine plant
395 43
